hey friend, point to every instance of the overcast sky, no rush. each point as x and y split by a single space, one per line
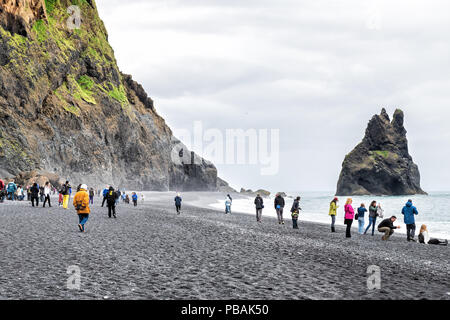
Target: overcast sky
317 70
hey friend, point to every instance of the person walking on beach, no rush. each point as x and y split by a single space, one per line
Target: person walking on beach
47 190
373 214
295 211
361 212
105 192
333 212
279 204
134 197
81 204
91 195
178 203
118 194
60 199
111 201
387 227
228 205
424 237
34 194
11 190
408 212
66 189
259 205
41 193
2 187
349 216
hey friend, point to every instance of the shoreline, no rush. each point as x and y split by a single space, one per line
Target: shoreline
150 252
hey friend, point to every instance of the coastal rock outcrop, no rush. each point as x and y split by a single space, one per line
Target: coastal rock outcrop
381 163
65 107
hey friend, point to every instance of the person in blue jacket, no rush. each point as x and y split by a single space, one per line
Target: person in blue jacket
11 190
105 193
178 203
408 212
134 197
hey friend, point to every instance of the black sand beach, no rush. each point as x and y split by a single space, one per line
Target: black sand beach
149 252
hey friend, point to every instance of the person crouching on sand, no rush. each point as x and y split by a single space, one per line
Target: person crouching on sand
333 212
259 205
81 204
349 215
424 237
387 227
295 210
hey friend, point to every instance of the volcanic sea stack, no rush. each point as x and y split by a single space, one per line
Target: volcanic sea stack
66 108
381 164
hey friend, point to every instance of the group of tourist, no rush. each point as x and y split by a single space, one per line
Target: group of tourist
386 226
279 204
14 192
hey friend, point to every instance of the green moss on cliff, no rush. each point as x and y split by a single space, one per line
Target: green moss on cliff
119 94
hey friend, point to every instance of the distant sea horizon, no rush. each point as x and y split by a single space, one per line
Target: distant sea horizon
433 208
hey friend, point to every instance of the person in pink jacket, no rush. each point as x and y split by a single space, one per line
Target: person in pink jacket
349 216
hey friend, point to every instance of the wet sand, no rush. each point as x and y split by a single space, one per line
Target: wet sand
150 252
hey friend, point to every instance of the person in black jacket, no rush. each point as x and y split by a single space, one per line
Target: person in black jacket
111 198
34 194
295 210
387 227
279 206
259 204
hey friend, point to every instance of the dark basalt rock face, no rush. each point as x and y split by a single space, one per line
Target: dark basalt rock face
381 164
65 107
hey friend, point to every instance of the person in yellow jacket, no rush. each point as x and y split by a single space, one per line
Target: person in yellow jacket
81 204
333 213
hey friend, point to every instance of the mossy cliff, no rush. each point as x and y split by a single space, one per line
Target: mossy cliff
66 108
381 164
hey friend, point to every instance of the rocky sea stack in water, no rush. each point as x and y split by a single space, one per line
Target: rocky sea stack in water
65 107
381 164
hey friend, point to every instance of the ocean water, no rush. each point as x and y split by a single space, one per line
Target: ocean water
434 209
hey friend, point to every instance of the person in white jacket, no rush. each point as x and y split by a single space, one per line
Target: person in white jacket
47 190
424 237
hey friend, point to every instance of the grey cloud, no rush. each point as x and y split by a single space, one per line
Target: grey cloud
314 69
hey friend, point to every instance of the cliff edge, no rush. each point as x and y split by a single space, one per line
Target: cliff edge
66 108
381 163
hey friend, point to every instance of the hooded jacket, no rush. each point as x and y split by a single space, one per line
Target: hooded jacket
279 201
259 203
11 187
408 212
333 209
111 197
81 200
349 212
